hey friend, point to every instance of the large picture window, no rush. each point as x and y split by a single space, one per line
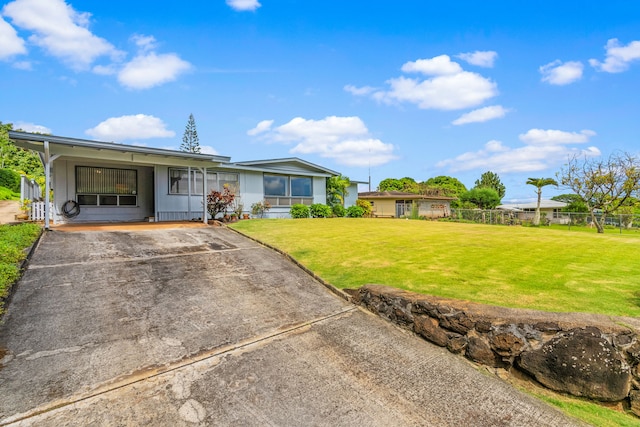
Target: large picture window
281 190
106 186
179 181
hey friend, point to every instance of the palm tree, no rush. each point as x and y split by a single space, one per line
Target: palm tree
539 183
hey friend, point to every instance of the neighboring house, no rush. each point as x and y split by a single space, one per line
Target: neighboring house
550 209
397 204
116 182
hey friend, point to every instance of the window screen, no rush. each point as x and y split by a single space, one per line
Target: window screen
106 180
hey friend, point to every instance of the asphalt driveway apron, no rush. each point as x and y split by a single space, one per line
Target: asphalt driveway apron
202 326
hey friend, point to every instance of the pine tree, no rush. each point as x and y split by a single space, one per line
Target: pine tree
190 141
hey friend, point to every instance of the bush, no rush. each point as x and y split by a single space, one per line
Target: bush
339 211
299 211
367 209
318 210
355 212
10 180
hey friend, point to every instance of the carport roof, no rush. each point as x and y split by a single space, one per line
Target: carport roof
75 147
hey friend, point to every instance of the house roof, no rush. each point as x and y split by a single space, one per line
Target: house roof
399 195
75 147
544 204
289 164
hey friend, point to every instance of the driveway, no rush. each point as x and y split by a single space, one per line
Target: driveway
202 326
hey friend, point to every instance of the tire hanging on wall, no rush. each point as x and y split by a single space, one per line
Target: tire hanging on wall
70 209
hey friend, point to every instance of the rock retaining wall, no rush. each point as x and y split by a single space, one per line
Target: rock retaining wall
592 356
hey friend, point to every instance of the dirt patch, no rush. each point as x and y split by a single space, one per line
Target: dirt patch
8 211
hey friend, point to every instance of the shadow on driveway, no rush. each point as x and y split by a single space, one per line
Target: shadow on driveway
202 325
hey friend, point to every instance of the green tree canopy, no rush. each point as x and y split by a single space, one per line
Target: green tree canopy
482 197
16 159
491 180
190 140
450 186
406 184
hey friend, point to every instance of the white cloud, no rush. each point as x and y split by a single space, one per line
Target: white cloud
60 31
262 127
552 137
618 57
479 58
359 91
207 149
448 86
139 126
22 65
150 69
481 115
542 150
144 43
343 139
30 127
242 5
436 66
557 73
10 43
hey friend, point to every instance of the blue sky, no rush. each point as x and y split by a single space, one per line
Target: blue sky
413 88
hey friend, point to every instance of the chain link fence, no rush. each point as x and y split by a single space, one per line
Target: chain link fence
568 219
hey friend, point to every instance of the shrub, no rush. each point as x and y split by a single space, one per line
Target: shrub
318 210
355 212
299 211
219 201
366 207
259 208
7 194
10 180
339 211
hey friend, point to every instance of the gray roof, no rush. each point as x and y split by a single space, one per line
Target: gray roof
544 204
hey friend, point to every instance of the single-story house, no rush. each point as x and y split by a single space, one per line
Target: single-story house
95 181
397 204
525 211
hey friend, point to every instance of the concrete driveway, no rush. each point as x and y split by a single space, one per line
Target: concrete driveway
201 326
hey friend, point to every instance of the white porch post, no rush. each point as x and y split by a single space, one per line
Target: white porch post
204 195
189 192
48 160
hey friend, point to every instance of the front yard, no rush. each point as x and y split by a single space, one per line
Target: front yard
521 267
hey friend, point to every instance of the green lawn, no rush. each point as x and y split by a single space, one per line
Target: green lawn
525 267
14 239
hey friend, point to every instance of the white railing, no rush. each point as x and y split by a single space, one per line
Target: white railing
37 211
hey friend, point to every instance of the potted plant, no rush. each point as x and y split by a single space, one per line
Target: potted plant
260 208
25 207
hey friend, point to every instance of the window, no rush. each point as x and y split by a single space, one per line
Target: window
281 190
179 181
96 186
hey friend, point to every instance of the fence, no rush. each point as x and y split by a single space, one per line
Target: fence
29 189
570 219
37 210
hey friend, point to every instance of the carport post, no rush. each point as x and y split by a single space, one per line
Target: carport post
48 159
204 195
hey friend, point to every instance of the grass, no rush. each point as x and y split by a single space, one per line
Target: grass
521 267
524 267
7 194
14 239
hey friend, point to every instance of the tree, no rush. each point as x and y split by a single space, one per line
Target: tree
190 141
337 190
17 159
448 186
491 180
604 185
482 197
539 183
406 185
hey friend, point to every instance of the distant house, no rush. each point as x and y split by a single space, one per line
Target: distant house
109 182
525 211
397 204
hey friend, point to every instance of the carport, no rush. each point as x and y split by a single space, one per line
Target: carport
108 182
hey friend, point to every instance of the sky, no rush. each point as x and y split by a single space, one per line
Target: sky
380 89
